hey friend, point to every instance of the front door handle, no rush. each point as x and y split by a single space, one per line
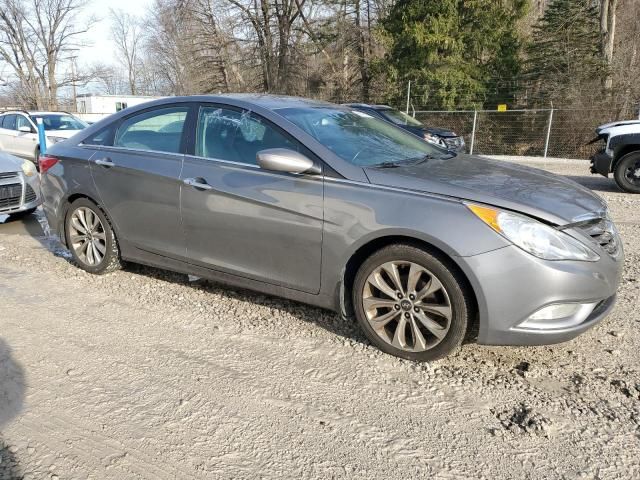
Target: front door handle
198 183
105 162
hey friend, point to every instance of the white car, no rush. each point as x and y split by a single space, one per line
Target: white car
19 186
19 133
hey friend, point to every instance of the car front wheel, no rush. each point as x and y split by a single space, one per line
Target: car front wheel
90 238
411 304
627 173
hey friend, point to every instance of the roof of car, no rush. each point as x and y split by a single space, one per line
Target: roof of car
274 102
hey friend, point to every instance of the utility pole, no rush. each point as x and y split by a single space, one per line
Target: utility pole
73 79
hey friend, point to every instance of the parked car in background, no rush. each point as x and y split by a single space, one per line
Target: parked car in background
620 154
438 136
319 203
19 133
19 186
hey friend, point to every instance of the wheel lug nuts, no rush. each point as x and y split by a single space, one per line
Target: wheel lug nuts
397 307
412 297
399 295
416 309
407 315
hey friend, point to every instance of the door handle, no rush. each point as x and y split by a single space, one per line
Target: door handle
105 162
198 183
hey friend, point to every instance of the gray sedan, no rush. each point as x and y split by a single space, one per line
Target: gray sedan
330 206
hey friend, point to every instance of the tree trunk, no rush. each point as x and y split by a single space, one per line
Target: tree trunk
608 33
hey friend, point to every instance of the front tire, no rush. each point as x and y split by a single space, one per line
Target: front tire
627 172
412 304
90 238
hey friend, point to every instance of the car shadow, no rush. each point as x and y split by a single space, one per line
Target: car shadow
330 321
12 392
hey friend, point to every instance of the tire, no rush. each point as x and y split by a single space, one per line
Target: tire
23 213
104 256
441 316
625 172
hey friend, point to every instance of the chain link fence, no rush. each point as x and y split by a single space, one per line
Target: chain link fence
537 132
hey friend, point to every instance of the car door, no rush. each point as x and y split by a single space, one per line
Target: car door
137 176
8 134
25 142
244 220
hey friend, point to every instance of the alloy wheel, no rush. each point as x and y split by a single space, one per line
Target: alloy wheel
632 173
407 306
87 236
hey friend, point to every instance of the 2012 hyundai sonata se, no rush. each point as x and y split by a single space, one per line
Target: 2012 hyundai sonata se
329 206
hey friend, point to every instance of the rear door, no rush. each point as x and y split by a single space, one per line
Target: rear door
25 143
137 176
242 219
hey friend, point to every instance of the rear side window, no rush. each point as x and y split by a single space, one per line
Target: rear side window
9 122
226 134
158 130
102 138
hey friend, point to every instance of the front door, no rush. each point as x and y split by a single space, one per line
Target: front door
137 175
25 142
241 219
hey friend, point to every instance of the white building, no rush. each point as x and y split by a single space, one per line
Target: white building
92 107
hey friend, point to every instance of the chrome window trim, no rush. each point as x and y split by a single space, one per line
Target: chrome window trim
109 148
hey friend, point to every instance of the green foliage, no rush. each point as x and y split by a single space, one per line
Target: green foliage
454 50
564 57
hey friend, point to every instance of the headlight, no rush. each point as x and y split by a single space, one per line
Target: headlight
53 140
534 237
28 168
434 139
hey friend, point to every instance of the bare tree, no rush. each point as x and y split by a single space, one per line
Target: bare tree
35 38
126 32
608 10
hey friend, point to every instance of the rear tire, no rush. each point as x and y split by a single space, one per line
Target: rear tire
90 238
411 303
625 172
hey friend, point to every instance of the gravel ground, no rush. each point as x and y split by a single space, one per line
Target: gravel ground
145 374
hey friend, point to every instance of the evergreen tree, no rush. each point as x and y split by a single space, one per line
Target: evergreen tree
456 50
564 57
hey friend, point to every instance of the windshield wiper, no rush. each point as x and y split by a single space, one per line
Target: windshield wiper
386 165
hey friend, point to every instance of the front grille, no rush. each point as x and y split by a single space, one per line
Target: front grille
8 175
29 194
10 196
603 232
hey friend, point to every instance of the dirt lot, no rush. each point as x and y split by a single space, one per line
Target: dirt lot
145 374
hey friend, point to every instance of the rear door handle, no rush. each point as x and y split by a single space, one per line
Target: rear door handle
105 162
198 183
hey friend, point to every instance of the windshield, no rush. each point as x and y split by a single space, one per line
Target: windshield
400 118
60 122
359 138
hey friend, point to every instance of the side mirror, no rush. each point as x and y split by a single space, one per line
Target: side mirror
25 129
285 160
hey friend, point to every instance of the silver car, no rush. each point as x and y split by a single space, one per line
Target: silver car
19 186
330 206
19 133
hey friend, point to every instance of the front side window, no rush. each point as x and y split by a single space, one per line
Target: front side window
360 138
157 130
226 134
57 121
22 121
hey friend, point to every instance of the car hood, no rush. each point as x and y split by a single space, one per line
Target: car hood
528 190
441 132
9 163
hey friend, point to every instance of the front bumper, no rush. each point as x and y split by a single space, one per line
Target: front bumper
511 285
24 193
601 163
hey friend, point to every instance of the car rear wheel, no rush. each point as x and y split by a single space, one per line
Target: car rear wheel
627 173
411 304
90 238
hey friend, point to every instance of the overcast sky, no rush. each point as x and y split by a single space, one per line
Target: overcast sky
101 49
